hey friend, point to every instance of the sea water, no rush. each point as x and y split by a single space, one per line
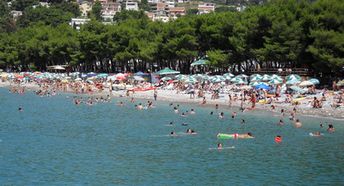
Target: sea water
55 142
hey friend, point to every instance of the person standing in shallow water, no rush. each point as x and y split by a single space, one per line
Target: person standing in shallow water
253 100
155 94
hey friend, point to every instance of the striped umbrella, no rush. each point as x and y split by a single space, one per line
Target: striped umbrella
191 80
274 76
293 76
275 82
228 74
256 75
256 78
266 77
293 82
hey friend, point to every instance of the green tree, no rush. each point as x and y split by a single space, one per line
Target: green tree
96 12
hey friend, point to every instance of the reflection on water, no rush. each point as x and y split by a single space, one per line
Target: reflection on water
54 141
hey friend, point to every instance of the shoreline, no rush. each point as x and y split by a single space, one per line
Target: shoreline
172 96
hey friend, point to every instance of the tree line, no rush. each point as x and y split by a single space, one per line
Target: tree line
279 34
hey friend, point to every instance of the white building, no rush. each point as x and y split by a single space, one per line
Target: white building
131 5
170 4
206 8
77 22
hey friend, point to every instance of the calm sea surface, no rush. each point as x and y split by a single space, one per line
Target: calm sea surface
54 142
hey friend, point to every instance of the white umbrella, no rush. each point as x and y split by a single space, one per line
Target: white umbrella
314 81
165 78
305 84
139 78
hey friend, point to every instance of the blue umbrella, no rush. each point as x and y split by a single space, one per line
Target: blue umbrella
262 86
91 74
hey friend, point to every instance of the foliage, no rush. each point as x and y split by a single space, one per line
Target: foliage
280 34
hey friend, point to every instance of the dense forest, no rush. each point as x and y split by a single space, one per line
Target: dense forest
278 34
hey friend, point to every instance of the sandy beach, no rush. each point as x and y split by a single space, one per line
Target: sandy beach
304 108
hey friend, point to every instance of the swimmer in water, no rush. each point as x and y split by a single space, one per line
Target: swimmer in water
184 124
211 113
280 122
247 135
242 121
121 104
190 131
173 133
192 111
316 134
278 139
321 125
233 115
297 123
20 109
176 110
183 115
219 146
217 106
330 128
171 123
221 115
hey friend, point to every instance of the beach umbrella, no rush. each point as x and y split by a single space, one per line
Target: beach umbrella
200 62
262 86
255 75
166 78
292 82
111 78
297 89
293 76
228 75
256 78
340 83
180 76
138 78
274 76
102 75
217 79
266 77
275 82
91 74
242 76
236 79
254 83
314 81
120 76
167 71
305 84
190 80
